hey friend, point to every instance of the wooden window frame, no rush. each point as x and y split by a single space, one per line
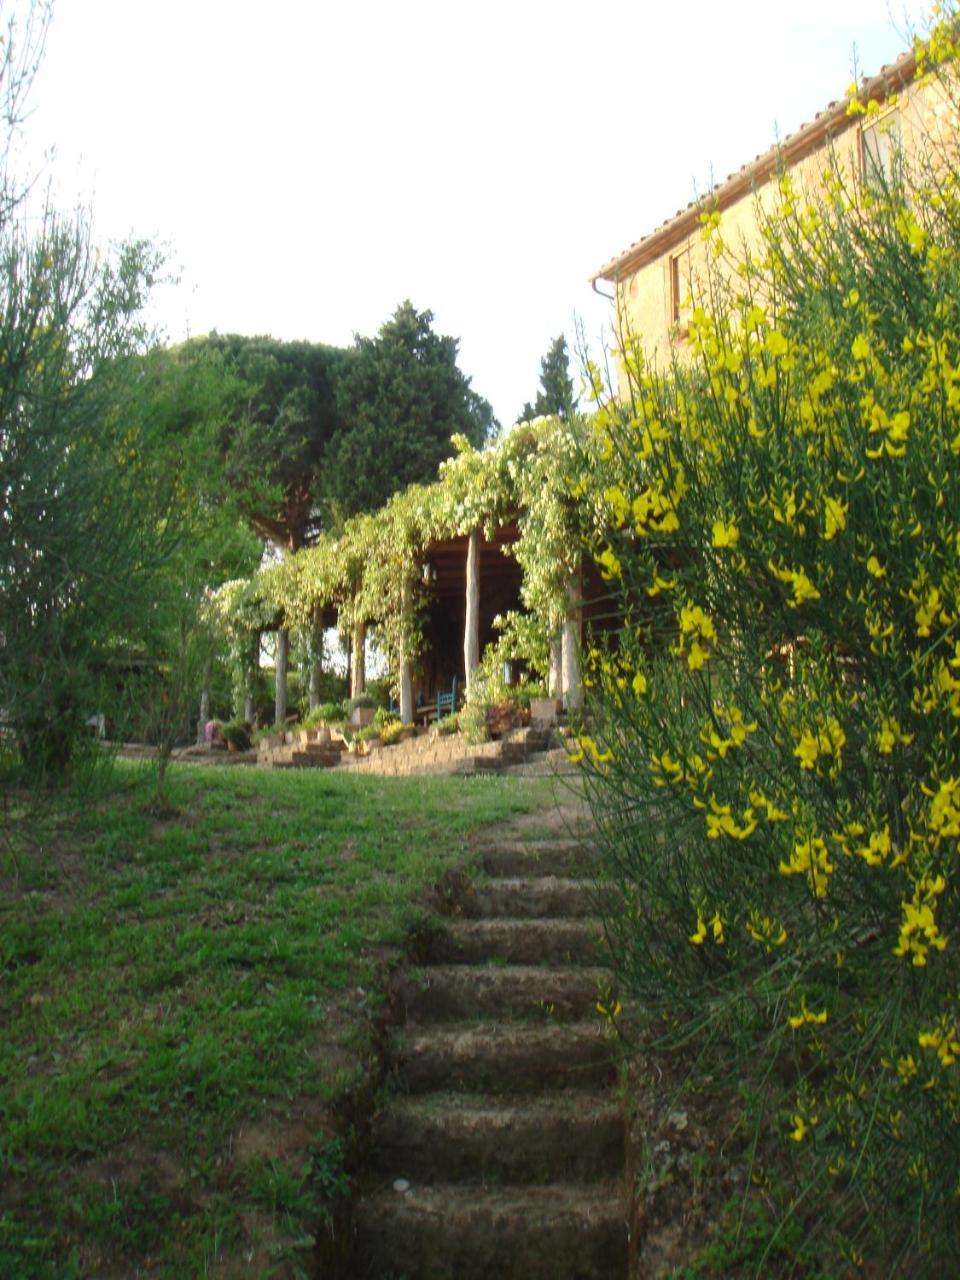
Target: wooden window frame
885 150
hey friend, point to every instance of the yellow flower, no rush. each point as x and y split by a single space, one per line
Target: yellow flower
760 801
659 584
799 1131
943 1038
835 518
875 568
800 1019
697 656
770 932
639 684
878 848
725 535
693 619
720 821
609 565
776 344
906 1069
811 860
803 588
890 734
829 740
698 936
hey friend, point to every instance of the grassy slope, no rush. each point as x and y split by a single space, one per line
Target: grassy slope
182 995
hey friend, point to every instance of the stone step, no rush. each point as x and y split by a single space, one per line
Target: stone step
504 1057
455 1138
440 992
313 755
545 941
553 1232
529 897
559 857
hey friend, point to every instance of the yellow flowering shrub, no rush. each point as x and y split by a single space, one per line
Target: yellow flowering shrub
775 767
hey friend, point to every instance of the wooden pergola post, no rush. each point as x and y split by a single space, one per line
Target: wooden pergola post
249 676
316 655
572 688
406 667
283 661
555 681
358 670
471 630
204 711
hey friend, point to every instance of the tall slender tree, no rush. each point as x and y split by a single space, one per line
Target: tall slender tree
556 396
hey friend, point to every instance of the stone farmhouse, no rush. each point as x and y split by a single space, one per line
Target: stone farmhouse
896 112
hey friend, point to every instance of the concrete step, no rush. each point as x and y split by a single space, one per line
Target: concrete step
553 1232
455 1138
544 941
446 992
505 1057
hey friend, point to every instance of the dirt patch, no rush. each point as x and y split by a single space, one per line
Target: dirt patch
286 1135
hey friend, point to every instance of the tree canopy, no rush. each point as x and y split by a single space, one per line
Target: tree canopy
280 417
401 397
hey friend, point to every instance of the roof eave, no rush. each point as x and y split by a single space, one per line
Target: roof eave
829 123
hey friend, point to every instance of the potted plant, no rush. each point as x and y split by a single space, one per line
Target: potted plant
360 710
236 734
543 709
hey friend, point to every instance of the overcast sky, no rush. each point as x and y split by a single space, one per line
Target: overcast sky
310 164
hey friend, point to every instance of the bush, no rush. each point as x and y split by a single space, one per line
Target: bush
776 729
392 730
473 723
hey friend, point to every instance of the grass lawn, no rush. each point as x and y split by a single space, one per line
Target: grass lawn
187 991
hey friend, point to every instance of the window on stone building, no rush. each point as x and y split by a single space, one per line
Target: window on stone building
680 290
675 288
880 149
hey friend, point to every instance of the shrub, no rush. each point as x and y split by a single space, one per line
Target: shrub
776 729
391 731
473 723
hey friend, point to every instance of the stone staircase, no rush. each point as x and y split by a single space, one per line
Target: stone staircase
300 749
429 753
501 1150
426 752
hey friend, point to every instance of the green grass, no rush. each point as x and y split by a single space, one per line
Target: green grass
183 996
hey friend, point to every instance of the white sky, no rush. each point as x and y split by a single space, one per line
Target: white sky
310 164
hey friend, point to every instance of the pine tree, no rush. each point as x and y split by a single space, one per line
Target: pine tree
555 396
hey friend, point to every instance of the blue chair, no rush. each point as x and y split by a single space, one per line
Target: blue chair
447 702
